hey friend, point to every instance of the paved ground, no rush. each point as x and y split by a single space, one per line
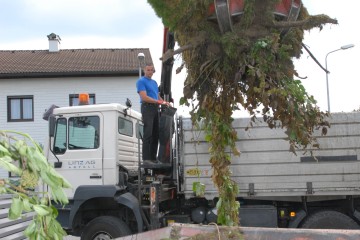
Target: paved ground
71 238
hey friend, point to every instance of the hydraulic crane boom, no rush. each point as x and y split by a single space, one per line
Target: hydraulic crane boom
167 66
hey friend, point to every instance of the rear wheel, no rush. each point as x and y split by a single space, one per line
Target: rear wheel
104 228
329 220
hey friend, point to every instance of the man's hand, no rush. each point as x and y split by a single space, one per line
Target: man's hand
161 102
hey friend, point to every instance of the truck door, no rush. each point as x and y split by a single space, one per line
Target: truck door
78 145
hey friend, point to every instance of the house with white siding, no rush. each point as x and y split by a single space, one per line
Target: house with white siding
32 80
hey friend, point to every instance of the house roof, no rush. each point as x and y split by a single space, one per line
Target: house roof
70 62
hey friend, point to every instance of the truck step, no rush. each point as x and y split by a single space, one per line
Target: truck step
156 166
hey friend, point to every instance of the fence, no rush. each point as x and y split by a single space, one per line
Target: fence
11 229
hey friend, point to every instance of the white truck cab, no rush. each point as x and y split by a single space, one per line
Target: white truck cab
89 131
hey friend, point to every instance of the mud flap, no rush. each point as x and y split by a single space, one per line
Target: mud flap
131 202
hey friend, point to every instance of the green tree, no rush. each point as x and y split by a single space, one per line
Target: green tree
23 157
249 67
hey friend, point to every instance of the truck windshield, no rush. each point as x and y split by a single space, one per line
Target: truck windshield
83 133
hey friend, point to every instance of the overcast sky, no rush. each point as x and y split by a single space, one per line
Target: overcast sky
25 24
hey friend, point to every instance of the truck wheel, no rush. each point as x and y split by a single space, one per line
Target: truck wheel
329 220
105 227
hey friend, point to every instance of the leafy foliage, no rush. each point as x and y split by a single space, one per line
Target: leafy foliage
249 67
24 158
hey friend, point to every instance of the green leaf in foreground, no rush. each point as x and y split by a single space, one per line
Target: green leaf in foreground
15 208
23 157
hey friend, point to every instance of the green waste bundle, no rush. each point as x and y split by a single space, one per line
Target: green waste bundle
248 67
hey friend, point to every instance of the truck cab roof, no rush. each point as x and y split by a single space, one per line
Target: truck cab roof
97 108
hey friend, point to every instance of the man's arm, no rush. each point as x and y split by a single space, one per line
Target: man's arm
146 98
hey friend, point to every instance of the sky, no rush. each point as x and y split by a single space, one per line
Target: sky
81 24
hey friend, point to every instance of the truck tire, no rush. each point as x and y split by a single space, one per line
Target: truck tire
105 227
329 220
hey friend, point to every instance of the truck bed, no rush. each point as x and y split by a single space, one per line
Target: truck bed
267 169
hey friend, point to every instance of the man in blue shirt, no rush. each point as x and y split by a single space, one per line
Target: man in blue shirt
150 100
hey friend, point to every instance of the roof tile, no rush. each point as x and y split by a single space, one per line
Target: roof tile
25 63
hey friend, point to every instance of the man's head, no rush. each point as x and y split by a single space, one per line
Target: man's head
149 70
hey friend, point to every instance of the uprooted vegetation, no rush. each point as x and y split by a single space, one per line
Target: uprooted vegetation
249 67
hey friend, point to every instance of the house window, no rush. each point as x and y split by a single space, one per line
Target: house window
74 99
20 108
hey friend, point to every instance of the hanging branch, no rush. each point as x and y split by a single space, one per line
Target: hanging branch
170 53
312 56
306 24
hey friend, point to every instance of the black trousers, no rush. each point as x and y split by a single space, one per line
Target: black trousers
150 116
166 128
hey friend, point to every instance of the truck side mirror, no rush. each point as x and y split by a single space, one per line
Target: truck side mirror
52 121
128 103
49 112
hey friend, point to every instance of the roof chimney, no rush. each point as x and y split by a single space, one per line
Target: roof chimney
54 42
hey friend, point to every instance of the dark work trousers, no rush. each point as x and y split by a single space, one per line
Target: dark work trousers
165 137
150 116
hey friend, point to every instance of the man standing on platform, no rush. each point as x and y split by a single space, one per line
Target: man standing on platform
150 100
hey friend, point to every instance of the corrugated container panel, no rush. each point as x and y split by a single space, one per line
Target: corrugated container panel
266 167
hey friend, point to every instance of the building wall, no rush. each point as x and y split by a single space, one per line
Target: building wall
48 91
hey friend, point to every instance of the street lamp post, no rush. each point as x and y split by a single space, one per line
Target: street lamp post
327 71
141 58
